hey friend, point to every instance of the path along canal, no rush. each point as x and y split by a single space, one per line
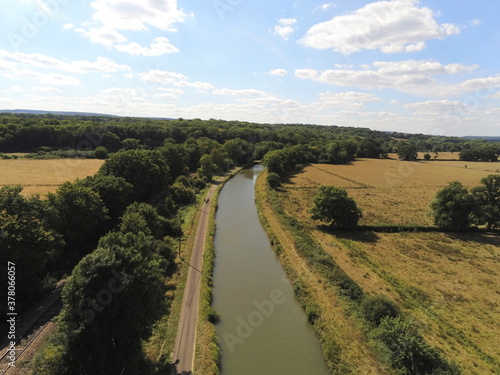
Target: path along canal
263 329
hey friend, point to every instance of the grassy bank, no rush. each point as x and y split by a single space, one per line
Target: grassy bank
361 332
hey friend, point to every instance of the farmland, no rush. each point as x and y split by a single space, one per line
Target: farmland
44 176
447 283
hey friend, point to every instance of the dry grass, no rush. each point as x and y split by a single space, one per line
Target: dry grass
388 191
44 176
449 283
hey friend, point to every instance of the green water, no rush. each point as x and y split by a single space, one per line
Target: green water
263 329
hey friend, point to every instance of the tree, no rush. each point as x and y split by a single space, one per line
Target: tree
111 300
146 170
207 167
80 217
427 156
487 200
101 152
406 151
452 207
273 180
334 206
239 150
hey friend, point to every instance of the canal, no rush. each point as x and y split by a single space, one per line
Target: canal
262 330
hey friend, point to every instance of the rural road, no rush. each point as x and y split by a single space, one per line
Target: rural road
183 354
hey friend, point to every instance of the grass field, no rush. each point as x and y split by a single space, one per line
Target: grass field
43 176
388 191
448 282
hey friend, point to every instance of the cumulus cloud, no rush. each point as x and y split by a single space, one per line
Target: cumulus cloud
410 76
163 77
110 16
242 92
391 26
278 72
285 27
138 14
349 99
11 60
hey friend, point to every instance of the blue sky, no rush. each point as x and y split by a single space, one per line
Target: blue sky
404 65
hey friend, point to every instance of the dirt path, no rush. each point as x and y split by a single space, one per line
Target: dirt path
183 354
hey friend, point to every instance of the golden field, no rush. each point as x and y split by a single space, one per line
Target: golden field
388 191
44 176
449 283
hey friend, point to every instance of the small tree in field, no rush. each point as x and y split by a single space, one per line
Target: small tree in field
452 207
274 180
487 198
334 206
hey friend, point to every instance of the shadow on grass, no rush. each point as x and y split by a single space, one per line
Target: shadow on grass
487 238
366 236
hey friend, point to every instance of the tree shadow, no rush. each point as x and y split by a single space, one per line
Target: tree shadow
487 238
366 236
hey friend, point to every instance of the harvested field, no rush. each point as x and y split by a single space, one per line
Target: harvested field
448 283
390 192
44 176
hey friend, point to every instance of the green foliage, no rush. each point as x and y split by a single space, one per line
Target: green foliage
427 156
115 192
452 207
101 152
273 180
480 152
375 308
339 152
406 151
487 199
407 351
181 194
239 150
80 217
146 170
334 206
112 298
142 217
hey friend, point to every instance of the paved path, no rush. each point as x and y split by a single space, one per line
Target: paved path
183 354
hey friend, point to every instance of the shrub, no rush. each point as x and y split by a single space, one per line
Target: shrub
427 157
375 308
274 180
101 152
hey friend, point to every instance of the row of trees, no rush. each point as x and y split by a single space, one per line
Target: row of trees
455 207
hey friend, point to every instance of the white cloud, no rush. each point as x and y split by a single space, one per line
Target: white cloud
285 27
163 77
45 78
160 46
349 99
68 26
323 7
133 15
391 26
138 14
410 76
11 61
278 72
244 92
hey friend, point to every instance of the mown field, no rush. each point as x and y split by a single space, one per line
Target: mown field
44 176
449 283
388 191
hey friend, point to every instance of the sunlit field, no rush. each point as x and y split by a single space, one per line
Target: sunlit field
388 191
448 283
44 176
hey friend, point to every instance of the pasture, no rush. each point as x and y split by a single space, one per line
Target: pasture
449 283
44 176
389 192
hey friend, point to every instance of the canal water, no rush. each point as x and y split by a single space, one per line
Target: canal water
262 329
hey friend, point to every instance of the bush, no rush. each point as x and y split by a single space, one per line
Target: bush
101 152
427 157
375 308
274 180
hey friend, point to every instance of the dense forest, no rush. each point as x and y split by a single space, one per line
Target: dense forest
152 169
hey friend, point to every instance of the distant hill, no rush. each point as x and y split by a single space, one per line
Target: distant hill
491 139
68 113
